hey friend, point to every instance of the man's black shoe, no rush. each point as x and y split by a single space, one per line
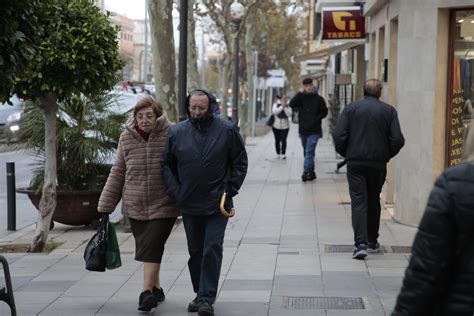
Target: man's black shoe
360 252
373 247
159 294
147 301
193 306
308 176
206 309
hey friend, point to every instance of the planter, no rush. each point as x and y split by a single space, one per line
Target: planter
72 207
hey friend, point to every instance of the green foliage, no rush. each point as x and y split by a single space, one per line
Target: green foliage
87 134
76 51
279 36
19 24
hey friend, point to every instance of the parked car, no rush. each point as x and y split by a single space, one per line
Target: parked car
10 115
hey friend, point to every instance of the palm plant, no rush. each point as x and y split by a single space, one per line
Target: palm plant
87 135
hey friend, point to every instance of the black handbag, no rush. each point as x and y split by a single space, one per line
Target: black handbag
270 120
95 254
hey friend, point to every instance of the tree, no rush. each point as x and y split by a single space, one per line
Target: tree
269 27
192 73
161 21
218 11
76 52
18 26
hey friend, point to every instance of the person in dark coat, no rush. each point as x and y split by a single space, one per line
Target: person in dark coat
439 279
367 135
204 158
311 109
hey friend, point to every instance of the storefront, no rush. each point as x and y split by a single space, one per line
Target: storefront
461 85
423 53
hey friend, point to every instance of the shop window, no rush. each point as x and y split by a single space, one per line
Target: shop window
461 85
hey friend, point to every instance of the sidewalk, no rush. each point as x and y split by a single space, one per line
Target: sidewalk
287 252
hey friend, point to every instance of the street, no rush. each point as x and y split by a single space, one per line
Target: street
286 252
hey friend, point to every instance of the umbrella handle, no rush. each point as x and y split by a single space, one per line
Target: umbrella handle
224 212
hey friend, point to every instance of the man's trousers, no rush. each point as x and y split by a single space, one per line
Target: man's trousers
365 185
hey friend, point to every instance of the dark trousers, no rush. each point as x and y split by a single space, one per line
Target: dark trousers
365 185
280 140
205 235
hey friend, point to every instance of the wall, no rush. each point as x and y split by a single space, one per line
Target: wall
421 85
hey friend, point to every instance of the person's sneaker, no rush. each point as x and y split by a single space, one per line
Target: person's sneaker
283 157
193 306
147 301
304 177
278 156
159 294
206 309
360 252
373 247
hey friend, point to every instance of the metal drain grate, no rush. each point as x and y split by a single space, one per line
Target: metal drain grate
348 249
401 249
324 302
288 252
338 248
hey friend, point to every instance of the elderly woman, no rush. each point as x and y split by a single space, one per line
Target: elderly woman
136 178
440 277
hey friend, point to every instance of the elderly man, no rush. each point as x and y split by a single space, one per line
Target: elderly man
204 158
368 135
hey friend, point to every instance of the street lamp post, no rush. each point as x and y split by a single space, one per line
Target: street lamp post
237 12
183 53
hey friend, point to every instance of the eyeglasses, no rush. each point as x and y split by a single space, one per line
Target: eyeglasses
148 117
198 109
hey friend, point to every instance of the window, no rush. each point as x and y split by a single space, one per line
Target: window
461 84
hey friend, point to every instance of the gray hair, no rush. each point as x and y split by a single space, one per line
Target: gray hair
373 88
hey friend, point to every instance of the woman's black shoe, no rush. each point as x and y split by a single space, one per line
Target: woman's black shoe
159 294
147 301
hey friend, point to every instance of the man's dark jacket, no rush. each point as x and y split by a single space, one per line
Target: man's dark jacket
439 279
368 133
202 160
311 109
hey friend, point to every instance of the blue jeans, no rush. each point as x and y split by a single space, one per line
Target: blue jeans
205 235
309 143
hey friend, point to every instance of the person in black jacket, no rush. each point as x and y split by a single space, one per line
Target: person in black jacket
204 157
439 279
311 109
367 135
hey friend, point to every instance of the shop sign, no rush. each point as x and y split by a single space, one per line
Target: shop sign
455 127
343 24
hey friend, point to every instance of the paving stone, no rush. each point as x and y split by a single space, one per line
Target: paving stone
274 248
233 285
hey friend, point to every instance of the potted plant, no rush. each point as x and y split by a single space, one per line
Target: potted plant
88 130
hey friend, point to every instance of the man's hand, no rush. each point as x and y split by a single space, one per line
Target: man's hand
228 204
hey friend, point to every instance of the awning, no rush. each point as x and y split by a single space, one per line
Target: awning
319 53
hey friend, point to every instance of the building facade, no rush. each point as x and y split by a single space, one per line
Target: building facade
423 52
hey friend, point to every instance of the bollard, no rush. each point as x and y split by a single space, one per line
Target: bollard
11 197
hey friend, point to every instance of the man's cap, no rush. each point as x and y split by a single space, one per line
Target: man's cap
307 81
